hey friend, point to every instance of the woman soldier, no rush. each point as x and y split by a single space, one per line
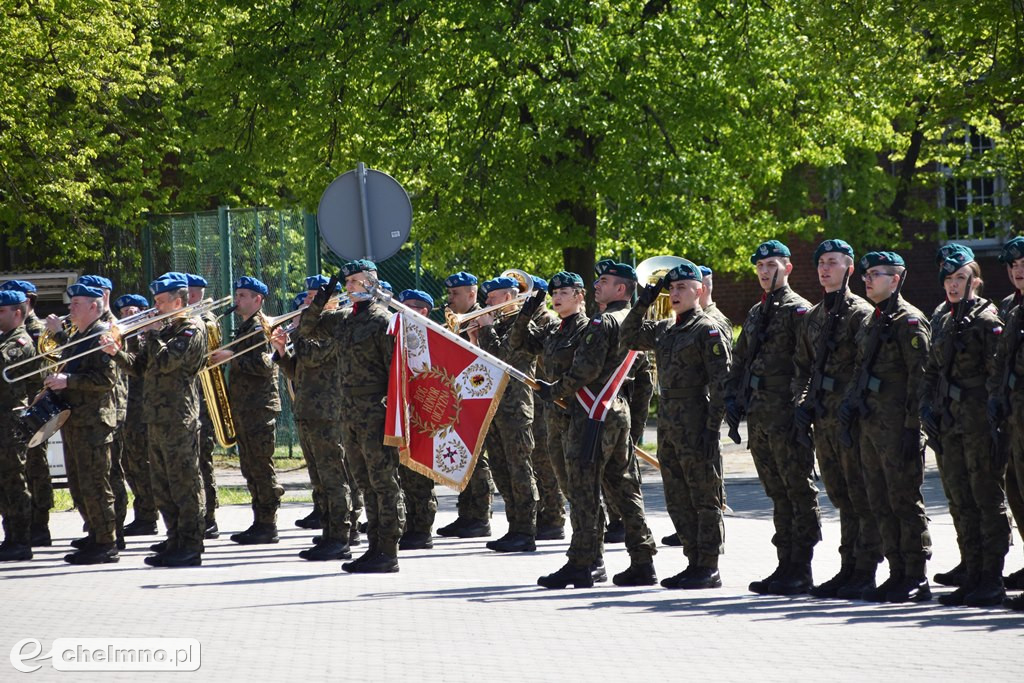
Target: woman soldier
953 398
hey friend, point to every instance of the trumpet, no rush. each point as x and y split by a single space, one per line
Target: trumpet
118 332
457 322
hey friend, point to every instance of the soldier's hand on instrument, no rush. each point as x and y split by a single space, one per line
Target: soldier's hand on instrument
325 292
220 355
53 323
109 345
485 320
647 295
56 382
279 340
532 304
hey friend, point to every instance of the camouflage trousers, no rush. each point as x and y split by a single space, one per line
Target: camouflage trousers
692 480
40 488
475 500
893 484
557 427
509 446
177 484
87 461
135 459
420 501
612 468
375 467
972 480
860 543
117 480
256 460
551 503
206 468
784 468
328 470
15 501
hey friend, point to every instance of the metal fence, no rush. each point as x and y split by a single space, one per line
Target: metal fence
280 247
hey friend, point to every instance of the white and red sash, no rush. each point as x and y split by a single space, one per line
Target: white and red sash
597 406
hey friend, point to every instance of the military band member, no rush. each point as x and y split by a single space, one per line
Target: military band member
37 467
87 384
474 520
197 285
598 451
693 363
892 455
255 403
365 361
15 502
767 378
314 367
510 438
133 445
171 356
825 356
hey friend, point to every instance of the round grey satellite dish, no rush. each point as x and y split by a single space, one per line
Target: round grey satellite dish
372 224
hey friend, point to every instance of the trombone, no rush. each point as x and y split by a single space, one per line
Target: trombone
116 331
456 322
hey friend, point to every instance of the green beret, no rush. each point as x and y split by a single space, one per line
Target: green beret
610 267
1012 250
880 258
833 246
686 270
565 279
954 262
769 249
949 250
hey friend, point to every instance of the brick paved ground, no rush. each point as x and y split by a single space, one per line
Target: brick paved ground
459 612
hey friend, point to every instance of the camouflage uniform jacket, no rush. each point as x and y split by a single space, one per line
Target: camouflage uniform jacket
120 378
15 346
517 402
597 356
34 326
252 379
554 341
842 354
1006 306
899 365
169 361
136 400
314 368
91 379
1014 328
691 358
773 368
973 359
365 347
721 322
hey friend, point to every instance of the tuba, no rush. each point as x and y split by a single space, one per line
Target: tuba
648 272
215 391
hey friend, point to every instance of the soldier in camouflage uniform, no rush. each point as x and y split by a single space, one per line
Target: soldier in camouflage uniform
37 468
15 501
892 456
474 520
315 370
361 333
1013 256
171 356
420 501
132 434
510 438
953 396
638 391
197 285
830 329
87 384
598 451
767 378
255 403
693 364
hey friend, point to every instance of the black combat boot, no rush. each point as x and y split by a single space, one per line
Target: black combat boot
616 532
598 572
954 577
97 553
513 543
380 563
310 521
257 534
415 540
551 532
83 542
371 551
795 581
179 557
673 581
15 552
140 527
861 580
637 574
474 528
41 536
761 587
700 578
830 588
989 590
212 531
1016 603
329 549
579 577
160 547
968 581
672 540
910 589
1012 582
878 593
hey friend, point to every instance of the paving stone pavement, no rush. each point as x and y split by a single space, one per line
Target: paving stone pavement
462 613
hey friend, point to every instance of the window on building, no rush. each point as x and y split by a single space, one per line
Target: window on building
971 203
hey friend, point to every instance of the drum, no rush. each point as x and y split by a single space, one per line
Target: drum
43 418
